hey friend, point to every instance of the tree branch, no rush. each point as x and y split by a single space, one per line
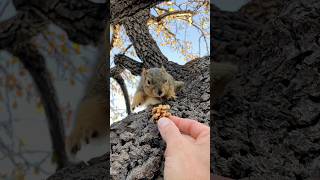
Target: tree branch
21 28
133 66
115 73
125 8
172 13
145 46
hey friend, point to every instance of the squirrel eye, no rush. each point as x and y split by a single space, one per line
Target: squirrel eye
148 82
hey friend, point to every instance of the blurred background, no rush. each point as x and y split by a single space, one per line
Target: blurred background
25 144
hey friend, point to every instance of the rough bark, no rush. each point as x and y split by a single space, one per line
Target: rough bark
115 73
136 145
124 8
146 47
267 123
96 168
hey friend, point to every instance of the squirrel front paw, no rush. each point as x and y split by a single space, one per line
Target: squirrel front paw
172 97
138 100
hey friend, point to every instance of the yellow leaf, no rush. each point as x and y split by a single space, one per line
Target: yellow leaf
64 48
82 69
19 92
51 33
19 174
14 60
76 47
62 37
190 20
14 104
22 142
22 72
72 82
40 108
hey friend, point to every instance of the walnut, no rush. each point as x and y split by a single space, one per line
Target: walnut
160 111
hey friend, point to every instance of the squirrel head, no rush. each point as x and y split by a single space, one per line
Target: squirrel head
155 81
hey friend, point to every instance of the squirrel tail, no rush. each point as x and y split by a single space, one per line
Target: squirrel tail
222 74
179 85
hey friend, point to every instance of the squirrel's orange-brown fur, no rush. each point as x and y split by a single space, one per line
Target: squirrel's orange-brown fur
91 120
155 84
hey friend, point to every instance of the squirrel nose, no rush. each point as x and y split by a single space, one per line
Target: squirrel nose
159 92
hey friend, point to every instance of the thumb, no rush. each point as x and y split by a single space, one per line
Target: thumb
168 130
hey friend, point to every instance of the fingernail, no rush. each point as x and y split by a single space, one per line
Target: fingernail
163 122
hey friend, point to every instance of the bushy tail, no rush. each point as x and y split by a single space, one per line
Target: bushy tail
179 85
222 74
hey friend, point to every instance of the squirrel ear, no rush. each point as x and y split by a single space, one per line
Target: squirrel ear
163 69
144 71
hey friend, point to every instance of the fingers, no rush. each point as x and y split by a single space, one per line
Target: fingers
190 127
169 131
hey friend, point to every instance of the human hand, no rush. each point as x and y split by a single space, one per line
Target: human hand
187 154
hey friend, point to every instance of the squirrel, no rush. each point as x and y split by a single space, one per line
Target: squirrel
222 74
91 121
155 84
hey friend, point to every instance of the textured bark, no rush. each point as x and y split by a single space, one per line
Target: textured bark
96 168
145 46
136 145
115 73
267 124
124 8
128 63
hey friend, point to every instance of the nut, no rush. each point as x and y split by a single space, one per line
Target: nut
160 111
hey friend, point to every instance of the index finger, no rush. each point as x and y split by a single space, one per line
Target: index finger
189 126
